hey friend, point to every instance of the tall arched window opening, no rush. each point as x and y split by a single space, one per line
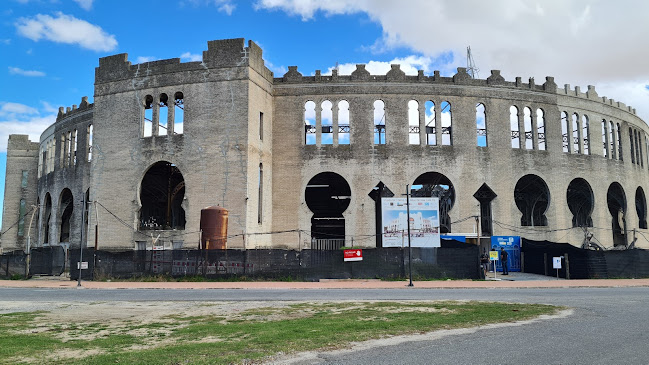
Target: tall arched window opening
532 198
379 122
481 125
576 138
431 132
611 131
89 137
161 196
527 124
309 123
513 126
47 218
620 155
447 124
179 112
163 115
605 138
343 122
147 123
565 132
327 123
260 195
585 135
631 149
413 122
540 127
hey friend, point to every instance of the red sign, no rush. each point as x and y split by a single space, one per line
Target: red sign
353 255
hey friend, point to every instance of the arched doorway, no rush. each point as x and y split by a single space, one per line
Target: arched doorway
532 198
485 195
66 207
328 195
436 185
616 201
580 202
161 196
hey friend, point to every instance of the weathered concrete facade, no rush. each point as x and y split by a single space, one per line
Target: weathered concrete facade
243 145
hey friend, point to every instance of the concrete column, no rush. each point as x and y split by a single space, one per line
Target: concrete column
334 122
422 123
318 124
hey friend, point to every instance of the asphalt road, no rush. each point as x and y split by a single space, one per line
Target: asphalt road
608 325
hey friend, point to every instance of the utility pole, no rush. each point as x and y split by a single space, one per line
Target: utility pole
83 219
29 239
408 223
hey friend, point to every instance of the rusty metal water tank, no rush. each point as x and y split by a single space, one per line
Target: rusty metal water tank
214 224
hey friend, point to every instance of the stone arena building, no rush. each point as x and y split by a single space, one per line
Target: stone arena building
298 157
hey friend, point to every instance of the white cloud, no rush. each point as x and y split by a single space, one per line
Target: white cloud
66 29
84 4
576 42
191 57
224 6
18 118
144 59
30 73
227 8
6 41
278 71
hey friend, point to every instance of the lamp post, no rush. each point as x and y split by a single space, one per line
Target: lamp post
29 231
408 223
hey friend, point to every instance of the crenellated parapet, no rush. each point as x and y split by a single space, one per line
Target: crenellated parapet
73 110
225 53
395 74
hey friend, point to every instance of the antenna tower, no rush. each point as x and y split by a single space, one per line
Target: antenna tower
471 68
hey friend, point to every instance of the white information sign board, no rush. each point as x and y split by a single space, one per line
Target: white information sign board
556 262
424 222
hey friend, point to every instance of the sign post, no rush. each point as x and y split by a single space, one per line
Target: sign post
556 264
493 256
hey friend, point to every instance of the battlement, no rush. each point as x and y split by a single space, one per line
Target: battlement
69 111
21 142
225 53
293 76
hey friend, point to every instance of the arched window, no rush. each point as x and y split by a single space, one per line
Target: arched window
21 217
641 207
481 125
638 148
513 122
620 155
327 123
576 140
527 124
631 145
605 138
343 122
147 124
565 132
179 112
540 127
585 136
532 198
413 122
75 142
89 136
260 196
485 195
161 196
612 139
163 115
431 132
379 122
309 123
447 124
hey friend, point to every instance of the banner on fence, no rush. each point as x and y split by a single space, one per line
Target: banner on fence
424 222
511 244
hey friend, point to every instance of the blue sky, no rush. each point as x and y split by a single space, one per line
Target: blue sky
50 48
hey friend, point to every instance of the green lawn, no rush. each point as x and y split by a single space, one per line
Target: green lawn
250 335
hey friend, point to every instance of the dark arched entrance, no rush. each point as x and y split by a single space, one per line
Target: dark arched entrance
580 202
434 184
327 195
616 201
641 207
66 207
485 195
161 197
532 198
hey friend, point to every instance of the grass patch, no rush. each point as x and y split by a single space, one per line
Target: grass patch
241 336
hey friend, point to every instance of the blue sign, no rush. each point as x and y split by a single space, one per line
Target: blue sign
512 245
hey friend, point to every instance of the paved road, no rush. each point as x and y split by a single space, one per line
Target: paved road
608 326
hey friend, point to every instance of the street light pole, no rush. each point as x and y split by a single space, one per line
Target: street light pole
83 219
408 223
29 231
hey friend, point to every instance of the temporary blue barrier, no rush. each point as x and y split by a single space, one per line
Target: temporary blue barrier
512 245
